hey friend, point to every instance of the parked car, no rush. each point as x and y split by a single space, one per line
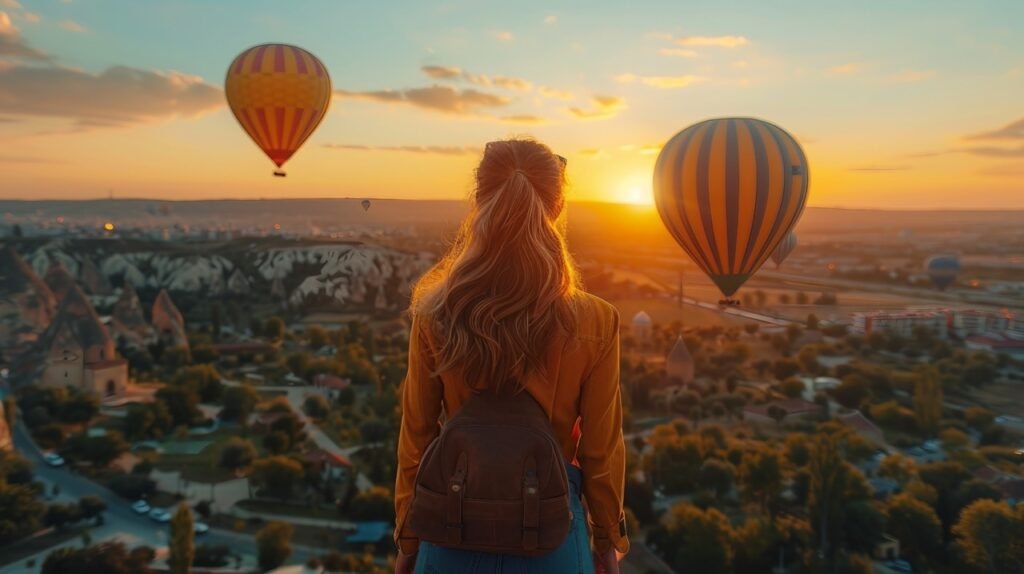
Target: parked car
53 459
200 528
141 507
160 515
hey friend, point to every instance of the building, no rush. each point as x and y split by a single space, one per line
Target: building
59 280
863 427
27 306
679 363
76 350
642 326
795 409
966 322
996 343
330 384
902 323
128 324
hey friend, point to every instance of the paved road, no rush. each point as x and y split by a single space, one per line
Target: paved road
119 520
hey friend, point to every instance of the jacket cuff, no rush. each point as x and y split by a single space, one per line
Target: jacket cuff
409 546
614 537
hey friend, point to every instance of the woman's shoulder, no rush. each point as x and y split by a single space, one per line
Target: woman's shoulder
597 319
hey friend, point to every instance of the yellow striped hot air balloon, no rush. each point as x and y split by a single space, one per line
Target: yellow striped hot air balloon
729 190
279 93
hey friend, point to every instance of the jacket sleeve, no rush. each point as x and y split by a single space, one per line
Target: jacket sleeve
422 395
602 450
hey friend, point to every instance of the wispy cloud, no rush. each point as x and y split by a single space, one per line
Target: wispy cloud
847 69
523 119
664 82
879 168
436 98
741 65
1011 131
995 152
714 41
503 36
603 107
679 53
13 46
554 94
72 26
590 152
1014 171
456 73
550 20
29 159
12 4
910 76
117 96
429 149
31 17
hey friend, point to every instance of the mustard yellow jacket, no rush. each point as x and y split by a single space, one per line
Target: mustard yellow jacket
581 397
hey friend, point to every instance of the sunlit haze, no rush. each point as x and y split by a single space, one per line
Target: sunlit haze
912 104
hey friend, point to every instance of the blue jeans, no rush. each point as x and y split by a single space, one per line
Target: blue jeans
572 557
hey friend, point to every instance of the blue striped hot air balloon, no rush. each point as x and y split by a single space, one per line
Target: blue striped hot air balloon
729 191
784 249
942 270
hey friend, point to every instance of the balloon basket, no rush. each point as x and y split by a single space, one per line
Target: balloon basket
729 302
279 173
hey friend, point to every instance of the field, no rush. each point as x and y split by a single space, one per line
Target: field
664 311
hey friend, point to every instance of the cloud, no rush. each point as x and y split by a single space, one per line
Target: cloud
589 152
550 20
554 94
28 159
741 65
31 17
1011 131
879 168
664 82
437 98
716 41
442 72
649 149
503 36
72 26
117 96
996 152
13 46
911 76
1002 171
604 107
848 69
523 119
429 149
679 52
456 73
12 4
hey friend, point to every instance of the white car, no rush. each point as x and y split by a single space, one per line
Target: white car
200 528
160 515
141 507
53 459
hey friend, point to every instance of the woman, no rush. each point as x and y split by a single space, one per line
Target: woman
505 306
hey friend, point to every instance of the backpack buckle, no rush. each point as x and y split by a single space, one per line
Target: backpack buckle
531 506
456 492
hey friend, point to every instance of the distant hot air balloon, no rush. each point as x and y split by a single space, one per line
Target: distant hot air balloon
943 269
279 93
729 191
784 249
366 204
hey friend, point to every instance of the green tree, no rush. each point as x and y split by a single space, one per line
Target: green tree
696 541
990 536
979 418
316 406
717 476
273 329
375 503
792 387
317 337
807 358
181 550
278 474
237 455
812 322
761 475
79 408
238 403
92 507
828 483
204 380
60 515
898 467
785 368
182 404
777 413
274 544
916 526
852 391
98 451
105 557
928 401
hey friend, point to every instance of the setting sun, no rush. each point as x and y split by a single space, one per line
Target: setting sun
637 195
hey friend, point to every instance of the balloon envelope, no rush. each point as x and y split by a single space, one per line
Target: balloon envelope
366 204
279 94
729 190
784 249
943 269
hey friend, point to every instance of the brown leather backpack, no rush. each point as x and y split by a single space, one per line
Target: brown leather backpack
493 480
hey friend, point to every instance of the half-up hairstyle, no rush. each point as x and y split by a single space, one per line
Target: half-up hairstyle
507 286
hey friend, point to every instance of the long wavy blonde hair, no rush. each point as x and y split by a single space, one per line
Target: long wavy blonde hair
507 286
